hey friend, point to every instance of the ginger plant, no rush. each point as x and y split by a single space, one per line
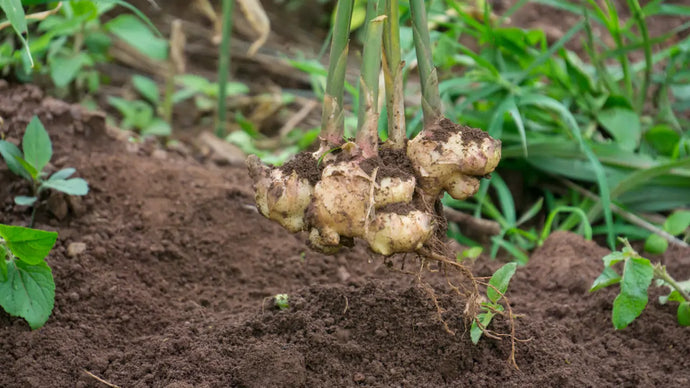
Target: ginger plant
385 194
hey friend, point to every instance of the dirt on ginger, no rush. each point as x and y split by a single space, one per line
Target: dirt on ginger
389 204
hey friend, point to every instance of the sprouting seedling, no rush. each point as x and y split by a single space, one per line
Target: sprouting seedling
29 164
281 301
637 277
27 288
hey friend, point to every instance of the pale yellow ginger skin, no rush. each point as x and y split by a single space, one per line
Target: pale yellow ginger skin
342 200
453 165
280 197
348 202
391 190
345 203
392 233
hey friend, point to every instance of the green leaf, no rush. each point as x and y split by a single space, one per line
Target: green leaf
28 292
36 145
607 278
33 173
678 222
63 174
500 280
29 245
74 186
613 258
472 253
138 35
655 244
147 87
628 305
64 69
10 153
684 313
157 127
15 15
623 124
23 200
476 332
3 263
662 138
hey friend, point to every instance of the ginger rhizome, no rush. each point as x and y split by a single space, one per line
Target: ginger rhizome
386 194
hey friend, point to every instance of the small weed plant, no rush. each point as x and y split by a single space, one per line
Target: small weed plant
27 288
638 275
30 164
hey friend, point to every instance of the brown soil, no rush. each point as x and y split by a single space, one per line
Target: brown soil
174 290
442 130
306 167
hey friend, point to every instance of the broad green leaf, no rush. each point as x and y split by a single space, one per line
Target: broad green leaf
677 222
147 87
613 258
63 174
23 200
29 245
655 244
36 145
73 186
476 332
138 35
628 305
662 138
623 124
157 127
607 278
33 173
10 153
3 263
500 280
64 69
28 292
684 313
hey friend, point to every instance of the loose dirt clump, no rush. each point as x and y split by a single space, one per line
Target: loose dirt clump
305 165
171 288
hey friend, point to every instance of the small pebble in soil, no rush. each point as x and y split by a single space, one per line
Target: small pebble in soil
75 249
358 377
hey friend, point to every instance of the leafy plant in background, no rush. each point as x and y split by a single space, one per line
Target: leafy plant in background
146 116
27 288
677 224
38 150
562 119
637 277
69 39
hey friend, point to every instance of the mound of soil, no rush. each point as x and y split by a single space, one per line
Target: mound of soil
173 290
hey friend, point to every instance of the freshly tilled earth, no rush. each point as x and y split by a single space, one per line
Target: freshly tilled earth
174 287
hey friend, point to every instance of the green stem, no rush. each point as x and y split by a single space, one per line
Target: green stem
392 70
639 18
368 114
224 68
332 120
431 98
661 273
